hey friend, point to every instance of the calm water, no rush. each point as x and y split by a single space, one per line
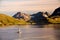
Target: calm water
30 32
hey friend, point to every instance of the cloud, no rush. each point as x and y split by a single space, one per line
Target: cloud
31 5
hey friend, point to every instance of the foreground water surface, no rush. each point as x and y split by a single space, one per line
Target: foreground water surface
31 32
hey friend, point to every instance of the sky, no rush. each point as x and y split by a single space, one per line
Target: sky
10 7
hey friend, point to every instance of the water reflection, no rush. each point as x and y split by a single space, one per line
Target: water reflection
52 31
57 31
55 26
31 32
57 34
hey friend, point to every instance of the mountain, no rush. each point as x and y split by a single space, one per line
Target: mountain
55 17
56 12
38 18
20 15
46 14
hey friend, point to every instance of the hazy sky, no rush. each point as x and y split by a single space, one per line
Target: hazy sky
29 6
